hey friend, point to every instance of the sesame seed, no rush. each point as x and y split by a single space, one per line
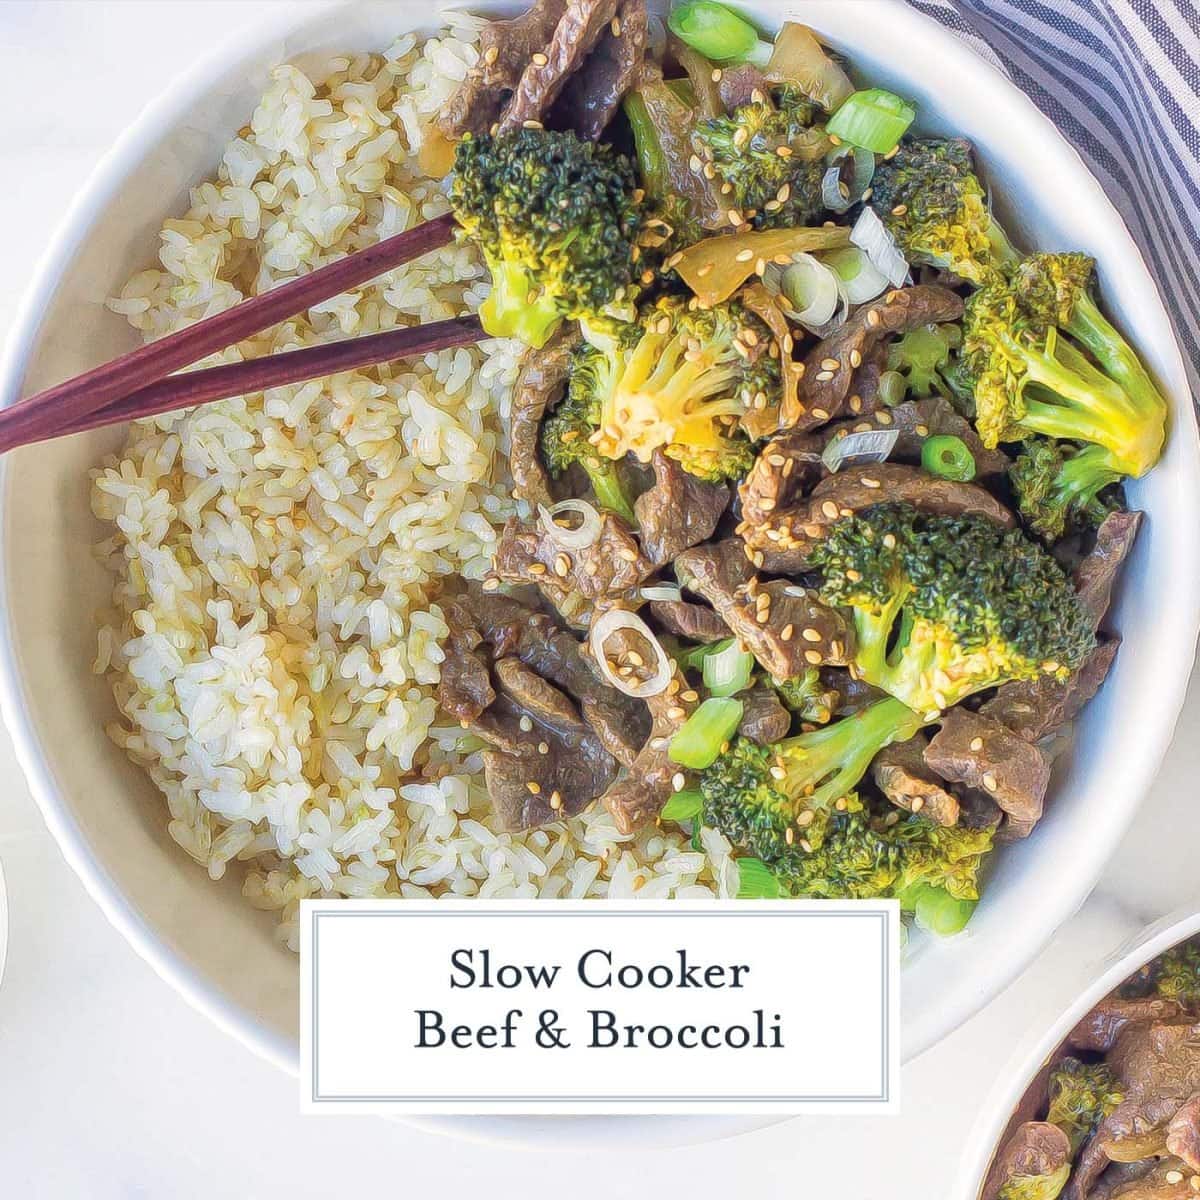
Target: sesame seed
853 576
810 634
840 804
735 217
784 151
677 781
813 657
491 54
789 835
562 565
824 376
889 541
532 125
883 418
537 568
834 140
1173 1177
855 403
675 258
977 743
899 210
615 26
743 255
918 803
543 747
922 431
830 510
690 696
892 152
741 136
873 317
676 713
820 413
867 481
535 789
716 75
785 634
555 801
628 554
704 270
694 162
829 364
989 780
855 359
540 60
491 583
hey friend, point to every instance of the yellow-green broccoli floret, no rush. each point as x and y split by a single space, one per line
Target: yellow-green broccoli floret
1178 974
680 380
557 222
933 204
1061 488
944 606
1081 1096
1030 376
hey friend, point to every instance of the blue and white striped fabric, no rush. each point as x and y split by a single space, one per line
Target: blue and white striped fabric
1121 79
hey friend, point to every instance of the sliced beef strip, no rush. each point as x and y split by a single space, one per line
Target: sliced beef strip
786 468
1035 1148
576 582
1096 574
900 773
1164 1179
568 777
1035 708
696 622
786 539
1099 1030
465 686
1183 1133
541 700
638 798
593 93
743 84
764 719
825 392
505 50
543 377
582 24
851 695
621 722
977 751
786 630
679 511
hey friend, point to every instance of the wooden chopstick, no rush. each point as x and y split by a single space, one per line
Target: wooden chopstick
256 375
61 408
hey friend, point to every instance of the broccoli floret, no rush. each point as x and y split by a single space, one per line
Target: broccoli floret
1036 1187
924 356
1061 489
933 204
744 150
1031 377
680 379
944 606
1081 1096
807 697
1178 976
765 799
564 439
556 221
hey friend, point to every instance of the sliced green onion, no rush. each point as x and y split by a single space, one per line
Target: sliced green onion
936 910
728 670
949 457
683 806
811 288
756 881
695 658
874 119
718 33
892 388
861 279
851 169
702 735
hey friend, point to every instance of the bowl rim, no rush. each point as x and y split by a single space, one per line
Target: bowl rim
983 1141
104 184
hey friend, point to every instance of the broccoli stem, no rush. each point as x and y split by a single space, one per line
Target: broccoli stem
610 491
652 162
833 759
1085 475
517 307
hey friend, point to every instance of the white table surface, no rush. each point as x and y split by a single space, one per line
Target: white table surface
111 1086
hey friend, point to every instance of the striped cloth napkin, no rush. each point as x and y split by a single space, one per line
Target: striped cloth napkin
1121 80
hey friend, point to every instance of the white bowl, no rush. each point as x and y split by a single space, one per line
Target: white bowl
1028 1058
110 821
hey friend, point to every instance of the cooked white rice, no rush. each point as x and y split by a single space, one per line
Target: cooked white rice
275 638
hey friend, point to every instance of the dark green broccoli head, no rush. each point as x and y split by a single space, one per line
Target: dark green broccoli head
1178 975
556 221
933 204
680 379
770 157
1029 376
1081 1096
1061 489
945 606
865 854
1050 286
1036 1187
766 799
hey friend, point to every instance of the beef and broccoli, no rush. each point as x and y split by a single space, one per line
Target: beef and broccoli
1115 1113
824 475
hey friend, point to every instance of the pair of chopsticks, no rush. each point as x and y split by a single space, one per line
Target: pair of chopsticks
142 384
